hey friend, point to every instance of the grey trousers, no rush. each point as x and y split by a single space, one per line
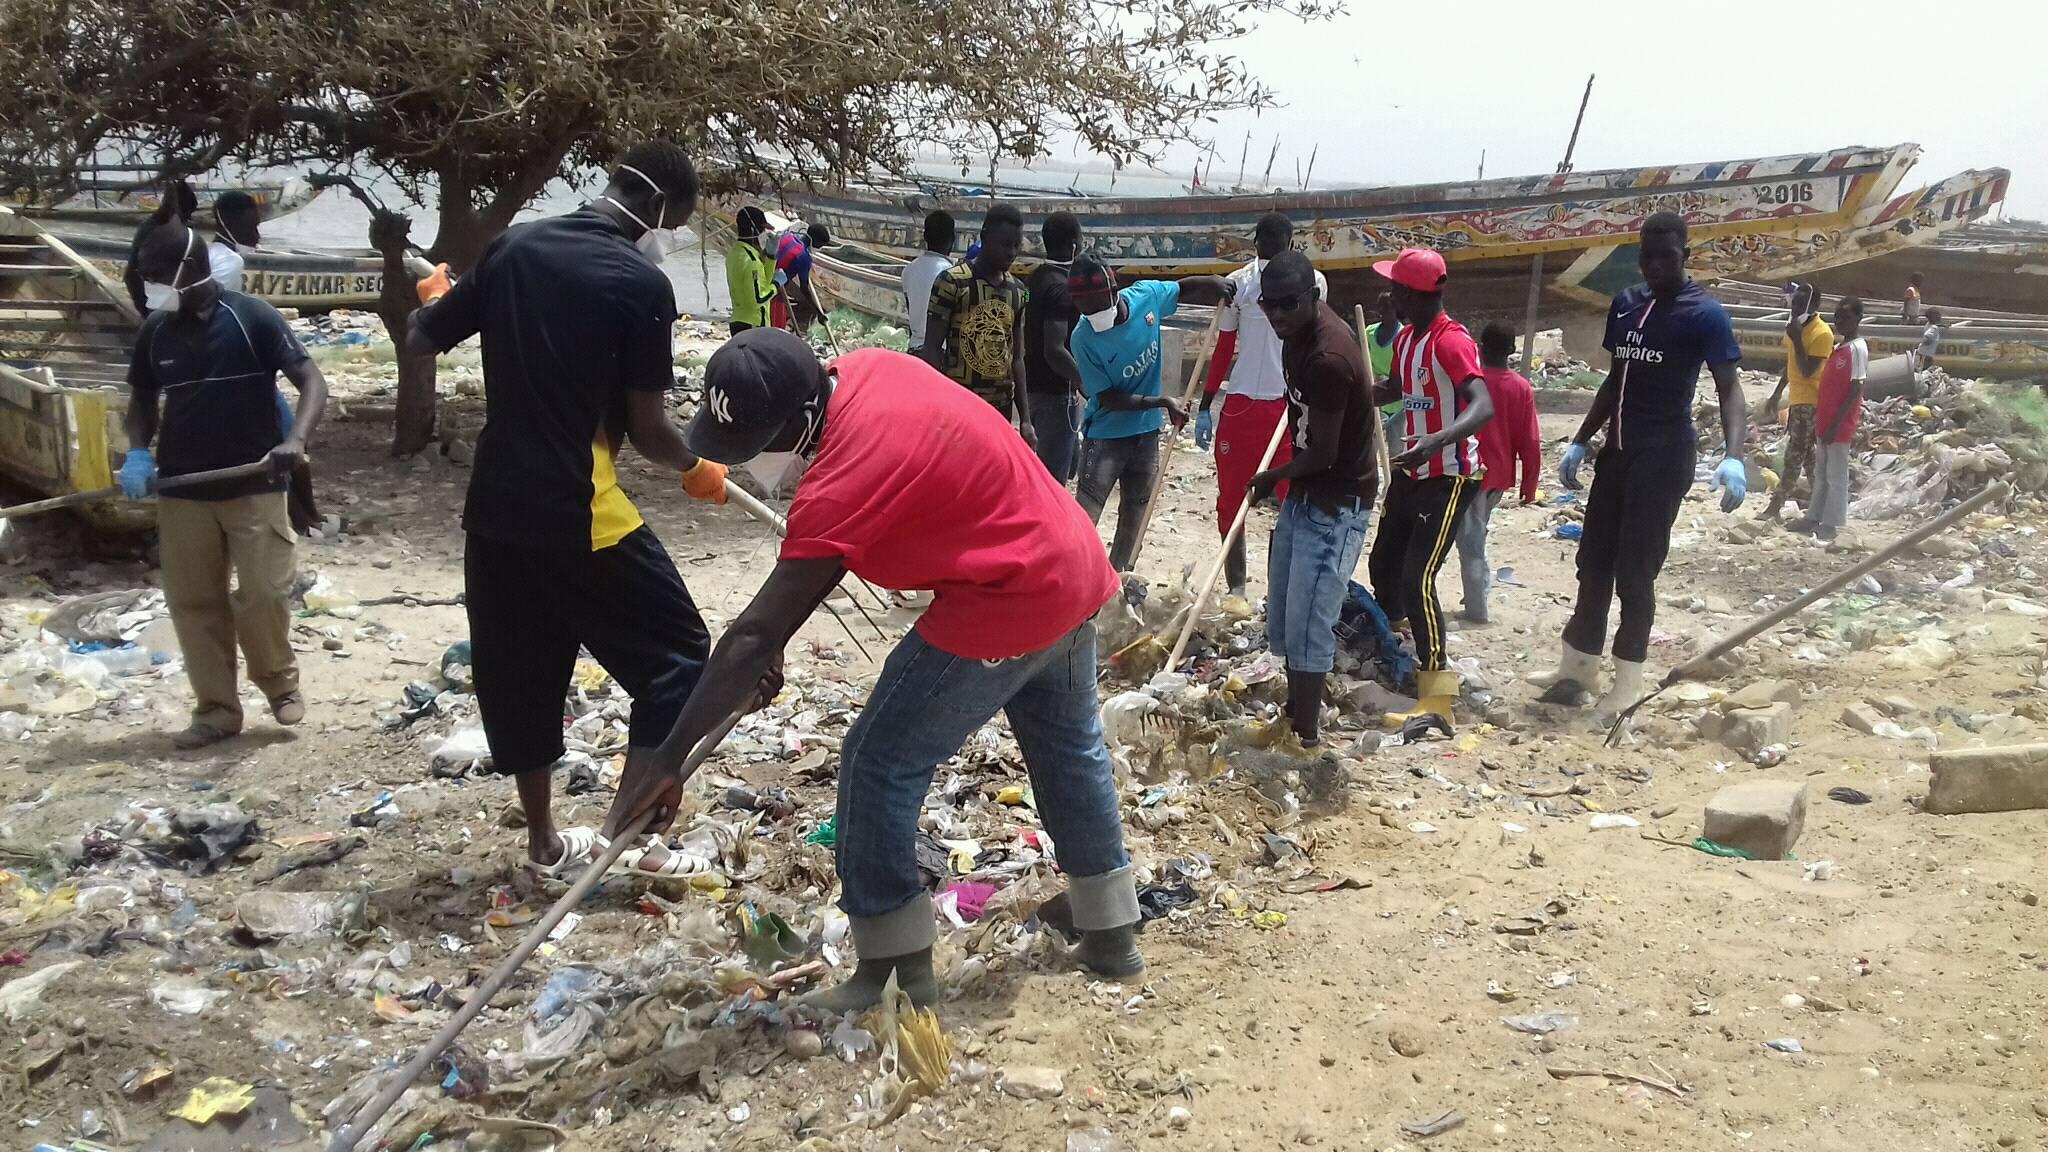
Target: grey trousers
1831 485
1474 569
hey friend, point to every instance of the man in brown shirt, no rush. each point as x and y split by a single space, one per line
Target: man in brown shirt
1331 481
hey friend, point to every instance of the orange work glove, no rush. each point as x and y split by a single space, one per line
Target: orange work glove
706 480
434 286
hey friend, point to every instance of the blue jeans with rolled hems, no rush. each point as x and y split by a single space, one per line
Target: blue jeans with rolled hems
923 708
1308 571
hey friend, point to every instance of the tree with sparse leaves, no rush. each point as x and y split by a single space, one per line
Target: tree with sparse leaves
472 107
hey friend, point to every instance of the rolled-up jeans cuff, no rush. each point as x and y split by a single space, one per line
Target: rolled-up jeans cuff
1107 900
908 929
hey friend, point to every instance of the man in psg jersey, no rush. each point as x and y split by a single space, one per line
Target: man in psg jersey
1659 332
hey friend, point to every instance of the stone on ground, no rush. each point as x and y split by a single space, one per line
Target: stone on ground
1863 717
1761 694
2009 779
1761 817
1033 1083
1748 729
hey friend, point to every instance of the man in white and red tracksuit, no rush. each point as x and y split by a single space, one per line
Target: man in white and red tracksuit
1248 355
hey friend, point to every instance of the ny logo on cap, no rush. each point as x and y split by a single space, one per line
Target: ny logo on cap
721 406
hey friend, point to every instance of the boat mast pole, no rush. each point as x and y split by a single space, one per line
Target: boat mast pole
1536 262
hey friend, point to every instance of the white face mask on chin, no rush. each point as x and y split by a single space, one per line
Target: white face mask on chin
771 470
1104 320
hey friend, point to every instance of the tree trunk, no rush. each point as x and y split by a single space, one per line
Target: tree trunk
414 427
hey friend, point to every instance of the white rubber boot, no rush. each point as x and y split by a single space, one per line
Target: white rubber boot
1627 689
1573 666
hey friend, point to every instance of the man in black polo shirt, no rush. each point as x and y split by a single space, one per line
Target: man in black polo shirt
212 358
1052 380
575 316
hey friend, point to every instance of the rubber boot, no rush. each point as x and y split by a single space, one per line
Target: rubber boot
1439 696
1105 908
1627 689
1305 706
898 942
863 990
1577 675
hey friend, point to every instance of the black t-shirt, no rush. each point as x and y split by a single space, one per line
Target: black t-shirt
1048 301
218 380
573 317
1325 370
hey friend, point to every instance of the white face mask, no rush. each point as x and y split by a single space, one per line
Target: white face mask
1104 320
169 297
654 243
773 469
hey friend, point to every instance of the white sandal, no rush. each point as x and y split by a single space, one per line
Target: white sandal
580 846
673 865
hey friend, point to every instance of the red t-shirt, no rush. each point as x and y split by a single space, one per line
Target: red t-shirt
1850 362
1512 434
919 484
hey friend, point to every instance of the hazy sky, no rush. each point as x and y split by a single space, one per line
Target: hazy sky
1403 93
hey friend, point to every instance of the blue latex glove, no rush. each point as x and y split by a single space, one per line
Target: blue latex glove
1205 429
1732 478
138 473
1568 468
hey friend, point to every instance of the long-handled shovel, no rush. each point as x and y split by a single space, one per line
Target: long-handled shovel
345 1137
1693 667
166 484
1208 585
768 516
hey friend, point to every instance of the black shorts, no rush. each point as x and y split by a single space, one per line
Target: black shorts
531 610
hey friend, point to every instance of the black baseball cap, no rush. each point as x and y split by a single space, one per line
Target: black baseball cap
754 384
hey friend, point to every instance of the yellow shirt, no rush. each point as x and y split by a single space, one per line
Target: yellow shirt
1800 388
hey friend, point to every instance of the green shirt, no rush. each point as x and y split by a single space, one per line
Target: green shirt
1382 362
750 281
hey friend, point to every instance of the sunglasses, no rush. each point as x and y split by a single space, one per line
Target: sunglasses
1281 303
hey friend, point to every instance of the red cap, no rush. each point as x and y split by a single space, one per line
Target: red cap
1417 269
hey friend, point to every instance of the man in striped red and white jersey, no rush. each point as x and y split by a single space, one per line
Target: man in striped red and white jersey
1659 333
1444 403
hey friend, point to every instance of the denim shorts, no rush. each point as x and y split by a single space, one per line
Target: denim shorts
1308 570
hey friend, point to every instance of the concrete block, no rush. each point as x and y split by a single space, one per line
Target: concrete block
1863 718
1896 707
1761 694
2009 779
1749 729
1762 817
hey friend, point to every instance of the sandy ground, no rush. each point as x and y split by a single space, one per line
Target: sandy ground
1919 962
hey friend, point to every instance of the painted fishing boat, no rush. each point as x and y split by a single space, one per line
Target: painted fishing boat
1759 219
66 329
1974 342
1991 265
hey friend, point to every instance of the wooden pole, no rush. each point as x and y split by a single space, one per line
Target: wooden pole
345 1137
1530 316
1244 507
1379 426
1172 437
77 499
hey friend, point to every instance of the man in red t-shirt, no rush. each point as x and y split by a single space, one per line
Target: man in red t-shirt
1509 437
1835 414
916 484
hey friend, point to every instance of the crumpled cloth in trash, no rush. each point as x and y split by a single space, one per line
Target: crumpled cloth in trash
1365 628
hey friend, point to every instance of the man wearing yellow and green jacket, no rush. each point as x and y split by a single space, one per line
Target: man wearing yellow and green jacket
749 272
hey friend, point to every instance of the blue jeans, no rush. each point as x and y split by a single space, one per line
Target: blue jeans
923 708
1056 417
1308 569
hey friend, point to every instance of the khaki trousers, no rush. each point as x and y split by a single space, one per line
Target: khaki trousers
201 541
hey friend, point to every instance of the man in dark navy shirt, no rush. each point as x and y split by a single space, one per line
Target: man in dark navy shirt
206 362
1659 332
